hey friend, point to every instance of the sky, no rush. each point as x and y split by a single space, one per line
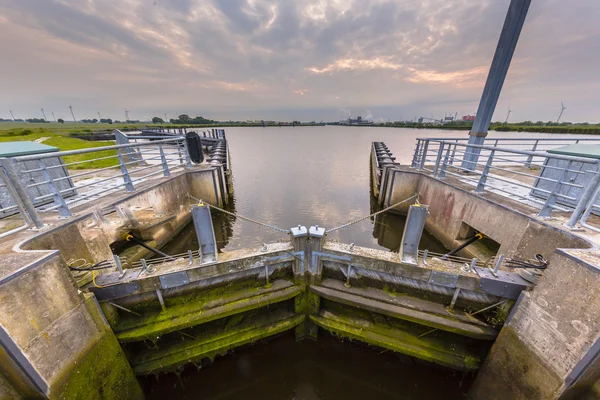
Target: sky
293 59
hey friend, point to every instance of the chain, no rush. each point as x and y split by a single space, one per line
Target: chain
286 231
372 215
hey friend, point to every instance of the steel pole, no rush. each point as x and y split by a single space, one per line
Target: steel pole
515 18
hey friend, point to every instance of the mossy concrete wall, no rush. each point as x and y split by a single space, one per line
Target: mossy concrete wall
552 330
542 351
58 330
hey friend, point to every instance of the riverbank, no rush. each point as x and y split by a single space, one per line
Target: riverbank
579 129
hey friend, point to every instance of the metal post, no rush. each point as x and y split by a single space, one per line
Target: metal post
299 236
188 161
179 151
121 138
546 210
128 184
498 263
473 264
438 159
63 210
161 300
19 194
442 173
205 233
589 205
424 154
530 158
484 174
163 160
317 238
413 229
515 18
415 159
118 264
454 298
453 152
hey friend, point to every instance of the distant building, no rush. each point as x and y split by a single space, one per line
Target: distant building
357 121
468 118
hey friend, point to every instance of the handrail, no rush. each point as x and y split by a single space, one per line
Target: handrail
524 152
439 157
91 150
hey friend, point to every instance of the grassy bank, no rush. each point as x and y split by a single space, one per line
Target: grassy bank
57 135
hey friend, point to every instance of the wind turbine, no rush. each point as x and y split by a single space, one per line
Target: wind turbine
563 108
126 115
508 115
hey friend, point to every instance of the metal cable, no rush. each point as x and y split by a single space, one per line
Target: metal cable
371 215
286 231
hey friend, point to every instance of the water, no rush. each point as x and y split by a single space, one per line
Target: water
327 369
320 175
312 176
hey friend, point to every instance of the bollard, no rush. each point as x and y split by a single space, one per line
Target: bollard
413 229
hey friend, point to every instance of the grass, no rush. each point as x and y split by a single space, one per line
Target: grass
67 143
58 137
26 128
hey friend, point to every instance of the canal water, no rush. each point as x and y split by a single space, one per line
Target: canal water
311 176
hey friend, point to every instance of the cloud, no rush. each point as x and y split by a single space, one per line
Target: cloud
231 58
354 64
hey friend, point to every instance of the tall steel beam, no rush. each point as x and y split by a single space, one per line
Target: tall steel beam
515 17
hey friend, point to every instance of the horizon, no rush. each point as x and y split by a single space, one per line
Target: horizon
307 61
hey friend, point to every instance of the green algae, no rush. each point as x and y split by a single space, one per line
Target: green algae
103 373
213 343
186 315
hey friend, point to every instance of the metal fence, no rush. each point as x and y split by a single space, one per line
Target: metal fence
34 187
519 169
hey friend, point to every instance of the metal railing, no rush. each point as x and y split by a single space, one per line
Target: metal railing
41 183
212 133
547 181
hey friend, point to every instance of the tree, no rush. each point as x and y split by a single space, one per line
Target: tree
184 118
157 120
61 121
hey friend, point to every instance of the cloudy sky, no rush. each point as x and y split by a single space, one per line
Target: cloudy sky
293 59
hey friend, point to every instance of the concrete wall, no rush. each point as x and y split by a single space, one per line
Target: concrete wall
550 347
60 333
82 239
552 330
55 328
450 207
